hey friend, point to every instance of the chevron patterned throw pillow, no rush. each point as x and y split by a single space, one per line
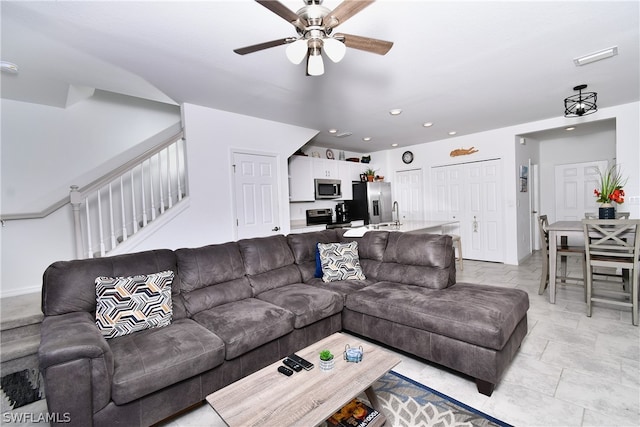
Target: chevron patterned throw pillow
130 304
340 261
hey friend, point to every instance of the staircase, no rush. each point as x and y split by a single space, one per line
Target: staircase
149 189
135 199
20 321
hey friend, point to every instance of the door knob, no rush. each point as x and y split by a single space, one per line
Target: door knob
276 228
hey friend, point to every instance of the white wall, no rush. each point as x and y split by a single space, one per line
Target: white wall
500 143
560 151
211 137
47 149
527 154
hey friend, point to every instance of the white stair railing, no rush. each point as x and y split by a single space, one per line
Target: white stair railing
123 202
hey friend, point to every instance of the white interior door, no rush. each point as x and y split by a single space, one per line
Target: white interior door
574 189
409 194
256 195
485 209
469 193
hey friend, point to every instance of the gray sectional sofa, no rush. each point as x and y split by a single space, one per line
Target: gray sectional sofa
240 306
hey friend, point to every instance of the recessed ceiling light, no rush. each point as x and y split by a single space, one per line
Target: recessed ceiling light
596 56
366 138
395 111
453 132
427 124
395 144
333 130
8 67
570 128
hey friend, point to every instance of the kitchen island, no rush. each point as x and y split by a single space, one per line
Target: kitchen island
416 226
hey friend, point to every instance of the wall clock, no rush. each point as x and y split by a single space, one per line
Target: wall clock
407 157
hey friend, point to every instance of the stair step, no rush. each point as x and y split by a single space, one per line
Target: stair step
19 348
13 334
21 310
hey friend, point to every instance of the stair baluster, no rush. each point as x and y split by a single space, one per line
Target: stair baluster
138 181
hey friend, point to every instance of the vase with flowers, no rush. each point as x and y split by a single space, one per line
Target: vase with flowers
610 191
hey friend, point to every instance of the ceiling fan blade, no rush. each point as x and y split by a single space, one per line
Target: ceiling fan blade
344 11
283 12
380 47
262 46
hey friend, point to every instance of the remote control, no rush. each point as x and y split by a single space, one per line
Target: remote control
302 362
286 371
291 364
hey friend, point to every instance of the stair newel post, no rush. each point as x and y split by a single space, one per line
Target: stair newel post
76 203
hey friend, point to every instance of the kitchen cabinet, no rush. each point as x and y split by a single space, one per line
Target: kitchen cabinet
325 168
303 170
301 186
345 174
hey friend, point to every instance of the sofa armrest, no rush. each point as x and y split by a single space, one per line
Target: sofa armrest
77 365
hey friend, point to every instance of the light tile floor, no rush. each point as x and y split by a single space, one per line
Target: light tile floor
571 370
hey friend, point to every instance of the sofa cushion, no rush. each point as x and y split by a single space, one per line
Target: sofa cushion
477 314
265 254
131 304
153 359
419 259
372 245
304 245
69 286
309 304
247 324
269 263
209 265
340 261
343 287
212 275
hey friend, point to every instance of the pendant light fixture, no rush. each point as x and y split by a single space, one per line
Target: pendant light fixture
581 104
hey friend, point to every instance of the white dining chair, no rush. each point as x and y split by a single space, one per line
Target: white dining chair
563 251
613 243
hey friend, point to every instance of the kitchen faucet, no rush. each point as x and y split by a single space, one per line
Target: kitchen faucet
396 209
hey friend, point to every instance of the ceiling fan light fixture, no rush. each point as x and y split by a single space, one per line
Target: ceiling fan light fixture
334 49
296 51
315 66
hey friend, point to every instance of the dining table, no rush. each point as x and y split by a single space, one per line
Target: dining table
559 233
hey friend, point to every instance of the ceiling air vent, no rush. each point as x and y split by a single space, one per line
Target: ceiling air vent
343 134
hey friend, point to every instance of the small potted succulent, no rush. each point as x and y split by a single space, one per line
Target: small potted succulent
327 361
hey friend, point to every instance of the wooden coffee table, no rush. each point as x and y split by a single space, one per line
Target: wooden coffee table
308 398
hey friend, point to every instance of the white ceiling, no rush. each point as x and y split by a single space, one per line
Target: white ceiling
465 66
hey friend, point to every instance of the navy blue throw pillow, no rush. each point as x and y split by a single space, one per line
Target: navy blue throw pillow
318 263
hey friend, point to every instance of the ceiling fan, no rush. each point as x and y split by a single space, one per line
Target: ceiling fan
314 24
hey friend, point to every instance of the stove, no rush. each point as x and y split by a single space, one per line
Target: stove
319 216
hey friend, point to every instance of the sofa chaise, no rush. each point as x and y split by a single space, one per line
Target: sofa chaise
239 306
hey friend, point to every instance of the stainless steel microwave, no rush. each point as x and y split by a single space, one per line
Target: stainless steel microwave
328 188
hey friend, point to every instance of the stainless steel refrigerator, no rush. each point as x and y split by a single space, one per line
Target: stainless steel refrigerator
371 202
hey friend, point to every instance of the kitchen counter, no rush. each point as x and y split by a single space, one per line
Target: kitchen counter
410 226
405 226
